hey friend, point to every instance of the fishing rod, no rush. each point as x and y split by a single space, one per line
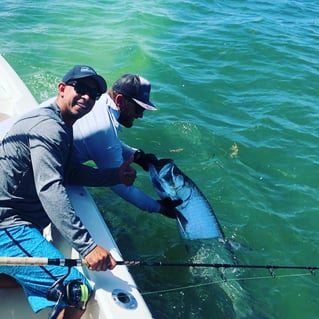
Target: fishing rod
43 261
211 265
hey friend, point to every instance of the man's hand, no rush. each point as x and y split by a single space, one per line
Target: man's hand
100 259
168 207
127 173
144 160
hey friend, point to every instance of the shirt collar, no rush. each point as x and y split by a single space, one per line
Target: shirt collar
114 112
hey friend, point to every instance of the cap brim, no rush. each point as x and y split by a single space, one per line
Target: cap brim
101 82
99 79
150 106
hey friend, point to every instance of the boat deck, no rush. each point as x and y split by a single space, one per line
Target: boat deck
115 293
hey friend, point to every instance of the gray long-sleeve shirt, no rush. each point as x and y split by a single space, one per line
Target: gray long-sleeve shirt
35 164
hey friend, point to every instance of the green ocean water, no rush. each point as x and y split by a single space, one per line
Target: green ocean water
236 84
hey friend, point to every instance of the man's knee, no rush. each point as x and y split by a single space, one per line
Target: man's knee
71 313
8 282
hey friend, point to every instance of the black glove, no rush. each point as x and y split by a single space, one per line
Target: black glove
143 159
168 207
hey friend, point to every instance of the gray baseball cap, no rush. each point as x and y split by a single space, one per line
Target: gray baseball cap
137 88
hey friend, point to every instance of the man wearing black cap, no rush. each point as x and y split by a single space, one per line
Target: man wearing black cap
96 137
35 164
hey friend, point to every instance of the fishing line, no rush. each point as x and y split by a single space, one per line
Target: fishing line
156 292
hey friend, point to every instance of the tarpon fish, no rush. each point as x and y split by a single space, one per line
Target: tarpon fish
196 218
198 223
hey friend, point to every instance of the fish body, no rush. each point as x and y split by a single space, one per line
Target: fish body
196 218
206 243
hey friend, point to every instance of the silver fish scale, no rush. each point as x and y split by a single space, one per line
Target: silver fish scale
169 181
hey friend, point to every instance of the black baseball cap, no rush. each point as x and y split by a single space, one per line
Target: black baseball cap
85 71
137 88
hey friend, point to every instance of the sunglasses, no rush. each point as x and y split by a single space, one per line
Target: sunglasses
82 88
138 109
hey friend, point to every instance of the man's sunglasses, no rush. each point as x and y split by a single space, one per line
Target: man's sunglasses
138 109
82 88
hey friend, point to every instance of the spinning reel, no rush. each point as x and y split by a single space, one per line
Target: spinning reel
74 293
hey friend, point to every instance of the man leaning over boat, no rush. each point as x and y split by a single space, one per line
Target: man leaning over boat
35 165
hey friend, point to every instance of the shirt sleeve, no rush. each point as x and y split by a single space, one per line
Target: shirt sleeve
127 151
49 148
136 197
84 175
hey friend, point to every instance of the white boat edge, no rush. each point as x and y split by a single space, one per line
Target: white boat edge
116 295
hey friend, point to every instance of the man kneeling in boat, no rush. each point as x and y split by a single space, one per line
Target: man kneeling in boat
35 165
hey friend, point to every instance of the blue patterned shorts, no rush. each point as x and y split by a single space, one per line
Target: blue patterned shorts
25 241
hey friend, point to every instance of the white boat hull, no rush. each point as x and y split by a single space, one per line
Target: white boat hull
115 293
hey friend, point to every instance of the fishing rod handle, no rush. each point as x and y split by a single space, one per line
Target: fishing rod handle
24 261
41 261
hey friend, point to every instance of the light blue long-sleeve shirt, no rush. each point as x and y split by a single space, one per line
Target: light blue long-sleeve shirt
96 138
